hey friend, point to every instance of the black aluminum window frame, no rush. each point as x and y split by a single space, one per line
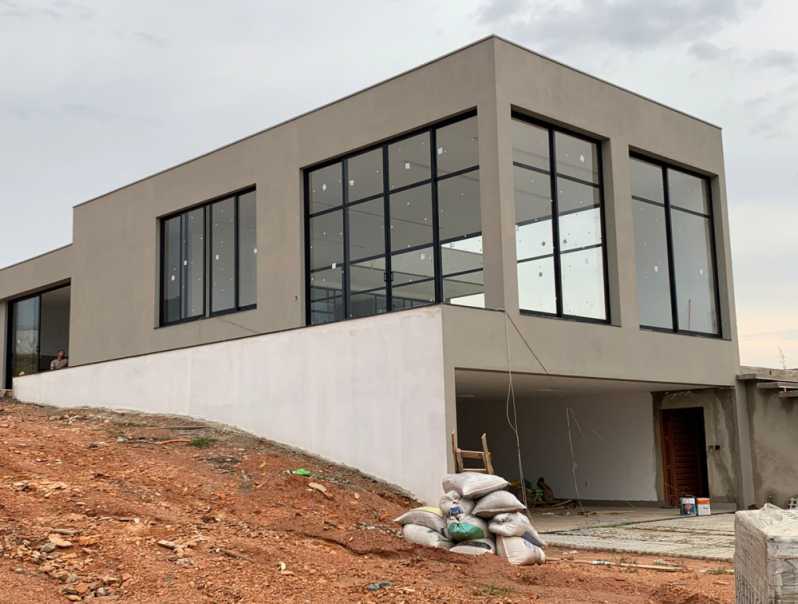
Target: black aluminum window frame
556 254
667 207
10 327
207 265
386 193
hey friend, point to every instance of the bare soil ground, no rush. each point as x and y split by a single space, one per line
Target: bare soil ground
97 505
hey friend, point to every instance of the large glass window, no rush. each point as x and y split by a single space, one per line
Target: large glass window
209 259
397 226
676 268
39 331
559 222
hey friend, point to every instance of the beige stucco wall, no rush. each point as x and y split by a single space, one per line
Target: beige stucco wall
113 262
774 445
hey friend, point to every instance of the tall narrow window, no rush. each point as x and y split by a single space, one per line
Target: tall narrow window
676 267
559 222
209 258
396 226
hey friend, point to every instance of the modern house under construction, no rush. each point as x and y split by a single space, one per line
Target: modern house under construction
366 278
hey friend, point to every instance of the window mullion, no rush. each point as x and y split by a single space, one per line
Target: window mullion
236 259
181 266
669 237
555 223
436 251
345 220
387 227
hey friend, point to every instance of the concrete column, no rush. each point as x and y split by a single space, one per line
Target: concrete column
619 221
746 495
497 203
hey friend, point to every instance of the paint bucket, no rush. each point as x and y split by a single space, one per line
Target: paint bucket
687 506
702 506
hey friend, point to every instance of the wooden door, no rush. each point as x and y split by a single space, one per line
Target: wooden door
684 453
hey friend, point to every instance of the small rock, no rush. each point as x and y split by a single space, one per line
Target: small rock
379 586
47 547
103 591
58 541
73 598
168 544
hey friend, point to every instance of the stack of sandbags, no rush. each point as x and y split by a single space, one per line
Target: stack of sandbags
474 508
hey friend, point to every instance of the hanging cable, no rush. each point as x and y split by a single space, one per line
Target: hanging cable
514 423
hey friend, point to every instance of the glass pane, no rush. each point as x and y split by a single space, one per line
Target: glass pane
576 196
694 270
465 290
413 295
409 160
326 296
461 255
367 275
532 195
651 259
412 266
54 332
534 239
536 290
247 250
325 188
533 233
458 206
170 289
25 358
223 260
647 181
580 229
367 229
366 304
193 277
688 192
327 240
364 174
583 283
458 146
530 145
576 157
411 218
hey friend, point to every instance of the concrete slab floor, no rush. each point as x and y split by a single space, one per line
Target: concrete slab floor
643 530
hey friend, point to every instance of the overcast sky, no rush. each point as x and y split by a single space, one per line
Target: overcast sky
94 95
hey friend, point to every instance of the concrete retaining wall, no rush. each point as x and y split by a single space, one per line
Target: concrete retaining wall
366 393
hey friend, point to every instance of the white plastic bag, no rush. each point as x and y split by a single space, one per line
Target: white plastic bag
422 535
452 504
429 516
519 551
476 547
497 503
515 524
473 484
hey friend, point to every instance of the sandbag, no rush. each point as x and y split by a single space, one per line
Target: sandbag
519 551
476 547
466 528
453 504
473 484
497 503
422 535
515 524
428 516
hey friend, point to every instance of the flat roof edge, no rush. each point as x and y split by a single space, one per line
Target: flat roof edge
32 258
607 82
748 373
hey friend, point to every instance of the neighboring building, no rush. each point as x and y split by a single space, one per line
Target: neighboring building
519 213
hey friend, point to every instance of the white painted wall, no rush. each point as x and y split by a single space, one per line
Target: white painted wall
613 439
367 393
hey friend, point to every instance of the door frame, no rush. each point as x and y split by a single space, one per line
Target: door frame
666 496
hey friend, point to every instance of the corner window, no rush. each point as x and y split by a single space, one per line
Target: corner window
208 259
396 226
674 243
559 222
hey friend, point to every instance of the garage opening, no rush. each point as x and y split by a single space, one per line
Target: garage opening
592 440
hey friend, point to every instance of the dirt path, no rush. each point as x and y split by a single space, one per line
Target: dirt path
140 508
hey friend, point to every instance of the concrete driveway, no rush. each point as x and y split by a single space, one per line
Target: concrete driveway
641 530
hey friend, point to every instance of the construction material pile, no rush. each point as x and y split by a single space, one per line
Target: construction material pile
475 516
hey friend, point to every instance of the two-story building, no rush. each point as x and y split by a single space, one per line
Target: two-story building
490 235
